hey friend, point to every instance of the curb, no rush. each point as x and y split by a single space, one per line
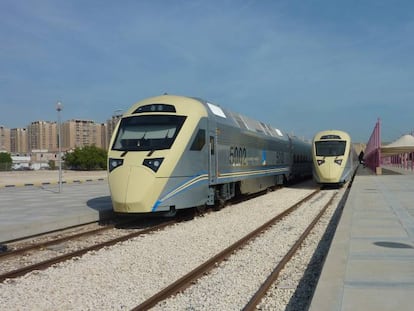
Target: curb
40 184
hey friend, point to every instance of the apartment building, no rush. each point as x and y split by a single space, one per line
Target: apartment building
4 139
104 135
111 124
79 133
19 141
42 135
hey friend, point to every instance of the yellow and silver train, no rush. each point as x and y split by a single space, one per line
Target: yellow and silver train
334 158
174 152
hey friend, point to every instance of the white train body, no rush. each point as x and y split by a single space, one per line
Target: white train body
334 159
173 152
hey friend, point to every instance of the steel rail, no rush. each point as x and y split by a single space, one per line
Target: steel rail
47 263
255 300
25 249
43 244
186 280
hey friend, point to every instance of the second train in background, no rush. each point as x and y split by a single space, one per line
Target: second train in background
334 158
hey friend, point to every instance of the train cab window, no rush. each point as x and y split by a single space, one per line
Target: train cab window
199 140
146 133
331 148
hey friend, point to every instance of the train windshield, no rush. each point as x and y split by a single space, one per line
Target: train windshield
331 148
145 133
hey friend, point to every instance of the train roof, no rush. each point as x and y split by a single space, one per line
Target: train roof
223 115
219 114
332 135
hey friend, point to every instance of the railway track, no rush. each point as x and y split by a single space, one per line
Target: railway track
26 251
26 255
192 277
161 300
270 280
142 267
24 245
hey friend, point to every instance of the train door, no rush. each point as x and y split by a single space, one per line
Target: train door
212 167
212 158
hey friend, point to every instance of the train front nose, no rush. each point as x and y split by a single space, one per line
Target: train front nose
328 172
132 189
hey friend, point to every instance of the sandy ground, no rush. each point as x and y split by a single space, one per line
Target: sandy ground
44 176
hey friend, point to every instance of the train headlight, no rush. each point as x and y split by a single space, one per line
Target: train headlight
114 163
338 161
320 162
153 164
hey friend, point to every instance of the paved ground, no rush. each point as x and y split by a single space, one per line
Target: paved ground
370 265
41 177
30 210
386 170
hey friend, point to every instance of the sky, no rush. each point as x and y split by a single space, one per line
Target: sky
301 66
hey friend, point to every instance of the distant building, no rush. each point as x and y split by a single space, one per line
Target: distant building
42 135
36 160
21 162
19 141
40 159
79 133
111 124
104 135
4 139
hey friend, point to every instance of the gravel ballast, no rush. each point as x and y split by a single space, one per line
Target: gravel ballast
122 276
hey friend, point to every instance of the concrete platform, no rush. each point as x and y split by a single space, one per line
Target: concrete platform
26 211
370 265
45 177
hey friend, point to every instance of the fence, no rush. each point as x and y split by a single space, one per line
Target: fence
5 166
372 156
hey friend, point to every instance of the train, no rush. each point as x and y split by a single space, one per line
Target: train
173 152
334 158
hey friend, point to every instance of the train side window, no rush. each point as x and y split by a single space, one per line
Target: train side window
199 140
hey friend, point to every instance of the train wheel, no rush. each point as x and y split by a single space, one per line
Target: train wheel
201 209
220 203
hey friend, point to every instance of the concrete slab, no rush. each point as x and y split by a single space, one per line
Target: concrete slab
387 271
377 298
370 265
32 210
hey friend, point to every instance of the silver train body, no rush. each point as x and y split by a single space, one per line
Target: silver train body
173 152
334 158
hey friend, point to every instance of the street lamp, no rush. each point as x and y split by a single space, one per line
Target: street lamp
59 108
